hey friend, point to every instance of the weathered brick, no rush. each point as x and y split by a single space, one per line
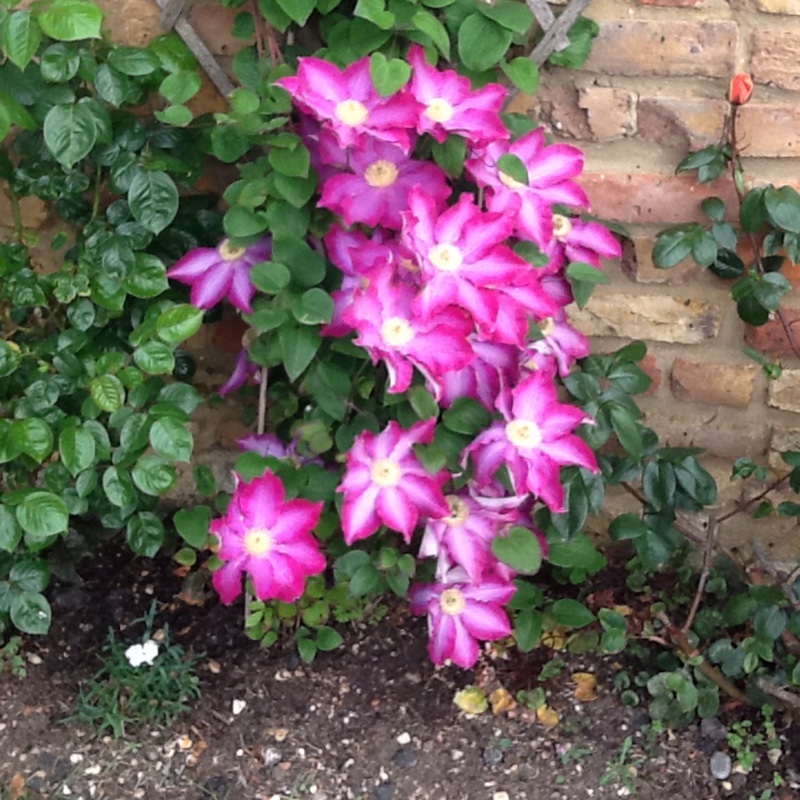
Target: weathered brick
776 53
672 3
687 123
134 22
556 104
719 384
646 197
791 7
771 338
609 111
718 435
770 129
214 23
665 48
783 439
650 366
784 393
657 318
637 264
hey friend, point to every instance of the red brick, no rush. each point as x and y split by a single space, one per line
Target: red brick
645 197
228 334
771 338
649 365
557 105
776 53
665 48
687 123
718 384
769 129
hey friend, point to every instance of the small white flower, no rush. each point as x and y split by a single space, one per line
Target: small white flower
146 653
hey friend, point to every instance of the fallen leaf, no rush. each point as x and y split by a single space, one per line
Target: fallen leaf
16 789
547 716
624 611
555 639
471 700
501 700
586 686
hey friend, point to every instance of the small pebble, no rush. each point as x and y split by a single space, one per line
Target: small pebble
75 758
492 756
406 757
712 728
500 796
34 658
456 755
238 706
721 765
404 738
384 791
271 757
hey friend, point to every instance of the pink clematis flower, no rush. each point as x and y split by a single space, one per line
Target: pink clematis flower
347 103
464 537
386 483
535 441
550 172
390 331
222 271
268 538
462 256
376 191
560 342
451 105
460 614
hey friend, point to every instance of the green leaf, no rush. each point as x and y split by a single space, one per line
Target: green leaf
328 639
388 76
192 525
71 20
21 37
179 323
145 534
329 385
148 278
427 23
313 307
270 277
628 526
32 437
466 416
627 429
578 552
112 86
307 649
59 63
118 486
78 449
482 43
179 87
571 614
581 35
43 514
153 200
31 574
205 481
107 392
375 12
10 531
177 116
241 222
528 630
292 161
423 402
155 358
451 154
713 208
520 549
306 265
30 613
172 439
783 207
70 132
133 61
154 476
753 213
672 247
298 345
512 167
515 16
523 73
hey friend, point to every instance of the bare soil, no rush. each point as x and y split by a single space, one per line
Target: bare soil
371 721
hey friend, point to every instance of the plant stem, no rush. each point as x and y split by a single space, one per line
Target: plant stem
711 537
19 230
261 425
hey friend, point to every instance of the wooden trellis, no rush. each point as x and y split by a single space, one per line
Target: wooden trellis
554 38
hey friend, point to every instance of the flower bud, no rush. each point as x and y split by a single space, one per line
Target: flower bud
741 88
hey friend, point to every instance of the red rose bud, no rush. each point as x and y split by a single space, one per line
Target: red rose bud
741 88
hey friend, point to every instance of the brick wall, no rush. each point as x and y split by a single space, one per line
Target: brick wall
653 89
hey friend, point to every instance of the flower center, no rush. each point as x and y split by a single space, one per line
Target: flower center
562 226
439 110
257 542
507 180
459 511
524 433
396 332
452 602
446 257
547 326
352 112
230 253
381 174
385 472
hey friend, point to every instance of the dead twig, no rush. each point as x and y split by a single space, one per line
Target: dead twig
708 556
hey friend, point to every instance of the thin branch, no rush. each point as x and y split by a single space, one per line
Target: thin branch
688 651
695 538
708 555
740 507
261 425
553 35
